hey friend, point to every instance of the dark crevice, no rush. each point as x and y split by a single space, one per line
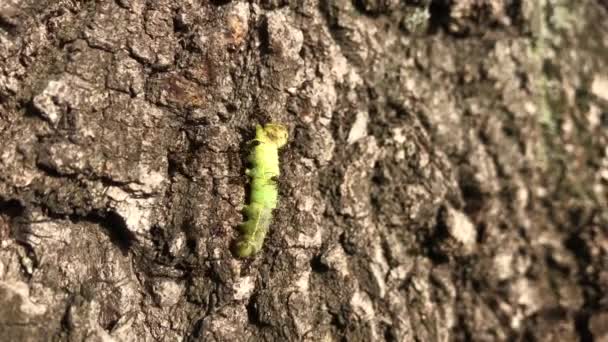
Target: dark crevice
11 208
111 324
65 317
253 313
579 248
371 8
9 24
462 329
116 229
350 248
440 15
264 36
160 239
389 335
220 2
514 11
432 243
317 265
481 232
472 195
191 246
197 331
338 320
581 323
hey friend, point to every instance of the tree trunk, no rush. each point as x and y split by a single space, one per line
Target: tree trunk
445 179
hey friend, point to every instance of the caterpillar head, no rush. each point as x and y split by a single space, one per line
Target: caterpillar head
273 133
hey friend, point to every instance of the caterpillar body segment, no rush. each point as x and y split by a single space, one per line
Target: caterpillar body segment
265 170
253 231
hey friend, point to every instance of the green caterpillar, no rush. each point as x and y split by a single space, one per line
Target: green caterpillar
264 158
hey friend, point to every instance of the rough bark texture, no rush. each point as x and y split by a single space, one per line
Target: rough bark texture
446 177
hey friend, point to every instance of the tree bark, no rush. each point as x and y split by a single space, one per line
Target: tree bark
446 176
